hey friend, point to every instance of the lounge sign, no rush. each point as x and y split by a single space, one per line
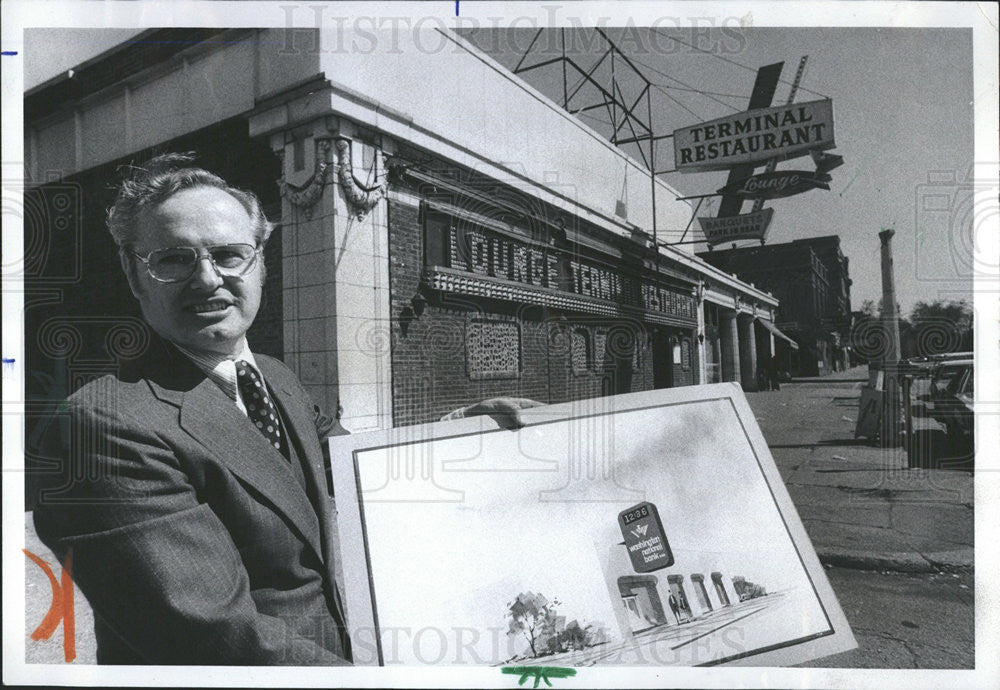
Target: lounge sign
746 226
782 132
775 185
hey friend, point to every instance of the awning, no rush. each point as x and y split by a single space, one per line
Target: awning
778 334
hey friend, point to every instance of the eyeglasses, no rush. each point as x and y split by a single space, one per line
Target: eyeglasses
175 264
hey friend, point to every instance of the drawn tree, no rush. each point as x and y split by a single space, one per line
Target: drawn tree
574 636
533 616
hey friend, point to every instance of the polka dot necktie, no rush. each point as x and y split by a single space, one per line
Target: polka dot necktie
260 408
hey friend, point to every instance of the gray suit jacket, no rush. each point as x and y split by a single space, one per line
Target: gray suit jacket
191 536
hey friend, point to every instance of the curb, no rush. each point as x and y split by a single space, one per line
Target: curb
902 562
820 379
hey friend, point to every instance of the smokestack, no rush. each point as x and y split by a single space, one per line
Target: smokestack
889 316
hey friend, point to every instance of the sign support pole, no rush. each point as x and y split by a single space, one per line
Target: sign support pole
763 91
700 201
773 163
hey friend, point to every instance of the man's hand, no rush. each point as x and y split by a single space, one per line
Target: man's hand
505 411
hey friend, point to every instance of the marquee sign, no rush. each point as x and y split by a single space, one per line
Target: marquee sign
775 185
481 262
747 226
753 136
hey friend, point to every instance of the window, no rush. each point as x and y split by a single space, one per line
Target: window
493 349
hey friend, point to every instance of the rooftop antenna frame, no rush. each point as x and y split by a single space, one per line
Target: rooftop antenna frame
620 112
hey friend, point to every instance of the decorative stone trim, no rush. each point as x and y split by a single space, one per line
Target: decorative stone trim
304 198
460 282
360 199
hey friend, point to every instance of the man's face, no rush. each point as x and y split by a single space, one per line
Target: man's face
207 311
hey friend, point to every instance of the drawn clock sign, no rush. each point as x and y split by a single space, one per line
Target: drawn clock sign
645 539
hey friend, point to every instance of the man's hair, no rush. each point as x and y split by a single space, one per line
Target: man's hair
145 186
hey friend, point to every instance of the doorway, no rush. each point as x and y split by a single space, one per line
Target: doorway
663 358
642 602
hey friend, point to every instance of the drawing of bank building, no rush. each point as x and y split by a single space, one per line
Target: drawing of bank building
701 584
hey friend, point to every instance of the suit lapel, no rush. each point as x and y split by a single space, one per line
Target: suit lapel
209 416
303 433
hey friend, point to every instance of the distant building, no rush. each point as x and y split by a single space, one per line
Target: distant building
810 278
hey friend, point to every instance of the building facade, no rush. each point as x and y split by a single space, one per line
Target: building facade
444 232
811 279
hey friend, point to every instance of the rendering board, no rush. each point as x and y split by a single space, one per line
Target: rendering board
642 529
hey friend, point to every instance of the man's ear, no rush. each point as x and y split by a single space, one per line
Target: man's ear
130 268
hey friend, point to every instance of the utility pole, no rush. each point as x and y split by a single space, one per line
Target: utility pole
890 360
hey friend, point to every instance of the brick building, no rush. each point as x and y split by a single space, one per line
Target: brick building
445 232
811 280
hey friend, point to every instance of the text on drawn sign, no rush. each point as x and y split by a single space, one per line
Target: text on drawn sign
645 540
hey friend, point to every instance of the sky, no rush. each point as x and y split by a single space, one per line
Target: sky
903 114
903 120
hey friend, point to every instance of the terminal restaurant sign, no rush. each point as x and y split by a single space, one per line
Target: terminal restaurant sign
753 136
541 274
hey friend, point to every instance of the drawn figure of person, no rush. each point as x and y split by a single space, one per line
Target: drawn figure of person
674 607
684 606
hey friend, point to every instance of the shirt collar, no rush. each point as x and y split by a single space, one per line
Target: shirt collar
221 369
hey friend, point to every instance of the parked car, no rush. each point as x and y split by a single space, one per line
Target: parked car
936 368
952 395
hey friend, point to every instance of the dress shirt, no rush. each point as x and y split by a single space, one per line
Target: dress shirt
221 369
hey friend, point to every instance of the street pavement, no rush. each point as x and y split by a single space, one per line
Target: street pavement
897 542
860 504
905 620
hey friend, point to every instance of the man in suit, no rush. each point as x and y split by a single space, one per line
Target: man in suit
195 504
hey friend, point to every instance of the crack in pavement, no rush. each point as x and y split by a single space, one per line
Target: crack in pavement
902 641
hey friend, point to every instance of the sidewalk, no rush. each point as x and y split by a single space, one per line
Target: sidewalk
861 506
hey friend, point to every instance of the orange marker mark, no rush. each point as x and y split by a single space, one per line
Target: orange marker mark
61 608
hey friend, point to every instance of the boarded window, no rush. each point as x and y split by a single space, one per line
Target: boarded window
579 350
493 349
600 347
637 350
